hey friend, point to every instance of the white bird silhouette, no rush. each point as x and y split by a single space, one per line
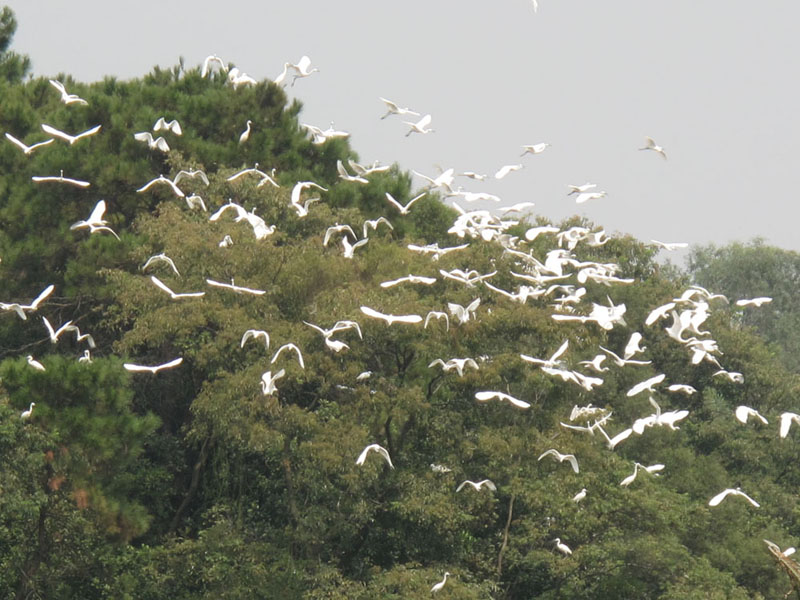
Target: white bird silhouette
237 78
235 288
161 179
561 458
26 414
303 185
374 448
440 585
633 346
409 279
682 388
289 346
160 258
345 176
390 319
737 492
787 419
459 364
373 224
579 496
463 313
534 148
596 363
492 395
210 62
264 178
54 334
255 334
32 307
175 296
586 196
650 144
61 179
154 369
191 174
420 126
245 135
651 469
35 363
437 315
67 98
505 170
158 143
404 208
647 384
732 376
394 109
670 246
70 138
302 68
334 229
617 439
95 222
226 242
753 301
551 362
268 382
25 148
163 125
195 202
562 547
477 486
744 412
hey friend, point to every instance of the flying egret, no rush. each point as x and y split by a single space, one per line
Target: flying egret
32 307
289 346
61 179
161 179
302 68
636 466
95 222
586 196
787 419
154 369
562 547
744 412
732 376
551 362
25 148
390 319
333 229
647 384
55 333
264 178
463 313
580 189
158 143
670 246
345 176
245 135
617 439
561 458
268 381
682 388
473 175
338 326
35 363
420 126
373 224
518 207
70 138
237 78
212 61
505 170
67 98
633 346
579 496
440 585
596 363
26 414
437 315
477 486
195 201
163 125
534 148
235 288
374 448
409 279
748 302
255 334
403 208
459 364
175 296
304 185
191 174
650 144
160 258
394 109
349 249
737 492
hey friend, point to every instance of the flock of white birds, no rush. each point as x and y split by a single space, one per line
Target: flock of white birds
539 278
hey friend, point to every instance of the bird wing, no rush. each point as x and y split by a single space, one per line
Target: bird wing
485 396
97 212
169 365
89 132
14 140
374 313
557 354
44 294
424 122
56 132
136 368
162 285
719 497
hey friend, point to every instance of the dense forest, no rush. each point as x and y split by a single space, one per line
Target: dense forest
240 472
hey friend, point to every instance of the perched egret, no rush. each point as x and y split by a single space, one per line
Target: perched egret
245 135
562 547
26 414
579 496
440 585
35 363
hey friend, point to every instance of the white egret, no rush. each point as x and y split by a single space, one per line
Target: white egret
440 468
438 315
617 439
534 148
670 246
191 174
580 189
235 288
338 326
420 126
633 346
518 207
596 363
210 62
163 125
494 395
160 258
237 78
194 201
562 547
245 135
736 492
226 242
744 412
586 196
264 178
650 144
440 585
26 414
473 175
35 363
67 98
551 362
579 496
373 224
161 179
55 333
477 486
289 346
175 296
409 279
505 170
534 232
152 369
394 109
158 143
67 137
302 68
459 364
32 307
787 419
268 381
561 458
659 313
403 208
255 334
732 376
463 313
647 384
434 250
364 375
86 358
374 448
754 301
682 388
61 179
349 249
390 319
25 148
345 176
333 229
95 222
303 185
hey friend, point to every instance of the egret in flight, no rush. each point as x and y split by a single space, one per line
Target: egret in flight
25 148
374 448
70 138
152 369
725 493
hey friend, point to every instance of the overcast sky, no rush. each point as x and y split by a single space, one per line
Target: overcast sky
713 81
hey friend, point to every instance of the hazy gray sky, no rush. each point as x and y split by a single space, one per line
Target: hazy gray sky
713 81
